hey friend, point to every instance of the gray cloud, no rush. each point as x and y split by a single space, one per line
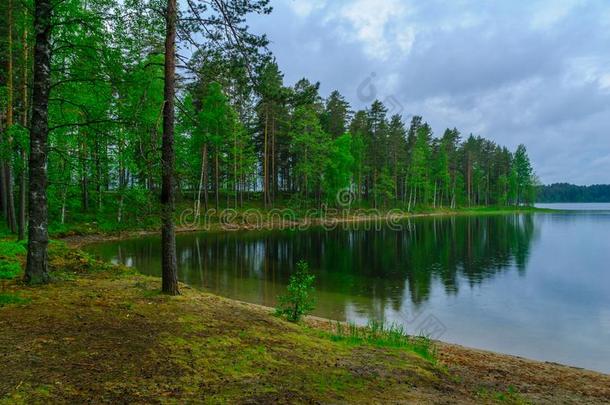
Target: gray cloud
534 72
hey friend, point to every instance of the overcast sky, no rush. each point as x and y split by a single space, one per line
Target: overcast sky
532 72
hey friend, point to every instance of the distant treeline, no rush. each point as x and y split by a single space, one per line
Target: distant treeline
565 192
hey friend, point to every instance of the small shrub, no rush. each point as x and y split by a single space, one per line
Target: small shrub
299 299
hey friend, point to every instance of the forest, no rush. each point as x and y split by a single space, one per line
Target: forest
114 112
565 192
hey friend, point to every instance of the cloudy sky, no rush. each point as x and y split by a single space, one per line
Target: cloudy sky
532 72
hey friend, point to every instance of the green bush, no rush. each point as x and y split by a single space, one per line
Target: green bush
299 299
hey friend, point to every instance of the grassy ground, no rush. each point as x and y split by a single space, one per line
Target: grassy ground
101 333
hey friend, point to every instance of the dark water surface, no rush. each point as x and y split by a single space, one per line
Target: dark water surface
534 285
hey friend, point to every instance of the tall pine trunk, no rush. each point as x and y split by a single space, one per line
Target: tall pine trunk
168 232
265 161
24 122
37 265
200 187
205 176
8 171
217 177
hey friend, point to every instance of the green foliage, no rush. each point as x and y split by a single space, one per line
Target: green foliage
11 299
9 270
10 249
234 111
299 299
564 192
383 335
384 188
338 170
10 252
310 144
510 396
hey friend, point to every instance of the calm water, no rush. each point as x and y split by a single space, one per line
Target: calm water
531 285
576 206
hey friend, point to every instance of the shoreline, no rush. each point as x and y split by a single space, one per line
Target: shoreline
79 240
446 348
109 333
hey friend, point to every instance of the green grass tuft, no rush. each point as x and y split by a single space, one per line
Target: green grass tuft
10 249
379 334
9 270
11 299
510 396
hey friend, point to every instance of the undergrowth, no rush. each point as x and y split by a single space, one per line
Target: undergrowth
8 299
10 264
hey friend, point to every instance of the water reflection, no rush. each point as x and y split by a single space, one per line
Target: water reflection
360 267
532 285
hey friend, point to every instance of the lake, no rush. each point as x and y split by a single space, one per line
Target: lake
534 285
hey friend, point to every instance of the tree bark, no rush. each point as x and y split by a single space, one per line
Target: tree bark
37 265
11 219
217 177
265 161
168 233
273 183
24 121
8 171
2 186
205 176
200 188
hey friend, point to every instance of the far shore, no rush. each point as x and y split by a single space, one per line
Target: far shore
78 238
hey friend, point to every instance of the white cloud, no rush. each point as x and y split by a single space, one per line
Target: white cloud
588 70
549 14
380 26
535 72
304 8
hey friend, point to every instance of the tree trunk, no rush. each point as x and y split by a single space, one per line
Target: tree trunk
84 176
265 160
235 189
200 188
217 178
22 197
205 176
168 233
273 166
24 122
8 172
122 181
2 186
37 265
11 219
469 179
